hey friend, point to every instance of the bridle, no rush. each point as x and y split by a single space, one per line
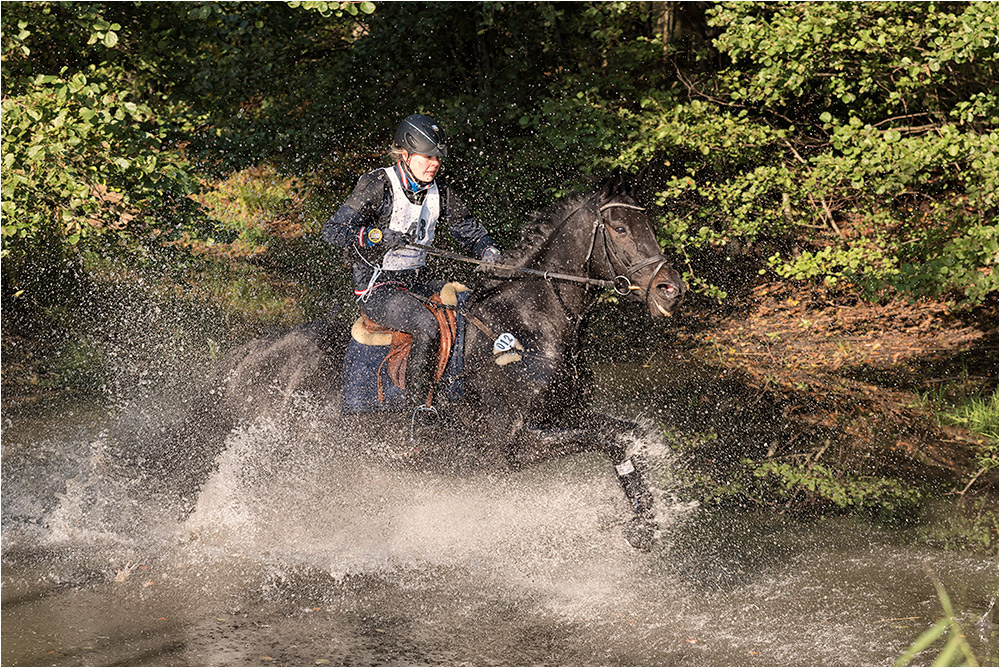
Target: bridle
624 271
621 283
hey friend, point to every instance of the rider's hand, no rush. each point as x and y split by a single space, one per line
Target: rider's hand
394 239
490 257
370 236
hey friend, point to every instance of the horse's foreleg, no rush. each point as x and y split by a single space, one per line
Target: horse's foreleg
632 472
607 436
632 475
611 437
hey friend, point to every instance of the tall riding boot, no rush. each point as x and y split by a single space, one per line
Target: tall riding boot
420 368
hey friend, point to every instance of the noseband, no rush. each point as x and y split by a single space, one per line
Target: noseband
623 280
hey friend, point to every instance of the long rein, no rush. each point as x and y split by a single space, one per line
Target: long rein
622 283
548 275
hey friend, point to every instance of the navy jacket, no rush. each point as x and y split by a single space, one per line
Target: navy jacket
370 205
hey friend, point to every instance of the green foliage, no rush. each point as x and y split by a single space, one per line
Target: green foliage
854 143
865 131
956 650
982 416
336 8
799 483
81 156
978 414
84 153
821 483
108 109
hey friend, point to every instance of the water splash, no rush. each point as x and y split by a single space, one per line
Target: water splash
276 497
306 549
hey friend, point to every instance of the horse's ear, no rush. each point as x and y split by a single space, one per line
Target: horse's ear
622 183
613 186
640 178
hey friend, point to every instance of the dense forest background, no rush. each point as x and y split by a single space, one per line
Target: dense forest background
826 174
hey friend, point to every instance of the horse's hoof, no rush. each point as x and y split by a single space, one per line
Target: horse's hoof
639 532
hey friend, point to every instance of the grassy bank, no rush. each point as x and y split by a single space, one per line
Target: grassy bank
810 402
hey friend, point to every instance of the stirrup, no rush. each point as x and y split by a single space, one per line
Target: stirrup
421 408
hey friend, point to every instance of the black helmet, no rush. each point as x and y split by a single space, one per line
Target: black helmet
421 135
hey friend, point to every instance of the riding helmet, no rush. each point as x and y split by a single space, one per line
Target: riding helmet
421 135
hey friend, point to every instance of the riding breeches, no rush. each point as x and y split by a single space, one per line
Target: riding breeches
399 310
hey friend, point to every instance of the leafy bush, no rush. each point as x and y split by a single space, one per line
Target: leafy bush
819 483
82 157
88 161
104 105
865 131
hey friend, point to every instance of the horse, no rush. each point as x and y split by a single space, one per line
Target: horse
511 415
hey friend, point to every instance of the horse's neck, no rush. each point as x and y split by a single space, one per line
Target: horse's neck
566 250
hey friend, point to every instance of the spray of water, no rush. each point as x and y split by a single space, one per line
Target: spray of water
307 544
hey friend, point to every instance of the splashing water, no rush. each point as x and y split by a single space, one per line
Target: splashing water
302 551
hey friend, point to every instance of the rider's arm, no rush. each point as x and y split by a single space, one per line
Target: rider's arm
464 227
354 221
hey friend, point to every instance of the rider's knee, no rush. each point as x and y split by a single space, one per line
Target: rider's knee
428 329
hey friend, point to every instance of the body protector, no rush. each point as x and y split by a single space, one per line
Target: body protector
416 220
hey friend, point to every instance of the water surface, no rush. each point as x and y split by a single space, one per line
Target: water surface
297 555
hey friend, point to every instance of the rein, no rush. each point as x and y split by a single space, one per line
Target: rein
550 275
622 283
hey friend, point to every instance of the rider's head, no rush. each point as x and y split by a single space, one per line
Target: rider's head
420 145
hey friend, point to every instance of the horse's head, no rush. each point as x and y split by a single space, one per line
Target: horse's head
632 254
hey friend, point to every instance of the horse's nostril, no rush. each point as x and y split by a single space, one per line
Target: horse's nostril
667 288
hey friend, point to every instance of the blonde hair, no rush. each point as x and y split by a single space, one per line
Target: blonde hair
396 154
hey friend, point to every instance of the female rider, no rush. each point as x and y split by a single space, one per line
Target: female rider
388 208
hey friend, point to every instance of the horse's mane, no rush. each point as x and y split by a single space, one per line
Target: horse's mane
543 225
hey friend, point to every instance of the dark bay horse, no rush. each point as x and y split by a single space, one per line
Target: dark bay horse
511 415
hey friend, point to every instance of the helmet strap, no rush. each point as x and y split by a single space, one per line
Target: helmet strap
412 184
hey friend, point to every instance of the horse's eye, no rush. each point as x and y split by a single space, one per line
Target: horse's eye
620 229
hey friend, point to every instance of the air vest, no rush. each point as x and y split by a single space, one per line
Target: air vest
417 220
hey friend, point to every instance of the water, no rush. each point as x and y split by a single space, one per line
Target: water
298 555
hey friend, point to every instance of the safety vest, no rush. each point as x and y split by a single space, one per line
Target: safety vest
417 220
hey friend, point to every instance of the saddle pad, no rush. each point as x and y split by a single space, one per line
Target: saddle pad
363 362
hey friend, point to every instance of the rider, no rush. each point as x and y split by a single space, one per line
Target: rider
388 208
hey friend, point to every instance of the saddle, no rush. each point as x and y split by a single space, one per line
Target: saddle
368 332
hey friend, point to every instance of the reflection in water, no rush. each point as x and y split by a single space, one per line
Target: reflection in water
297 555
